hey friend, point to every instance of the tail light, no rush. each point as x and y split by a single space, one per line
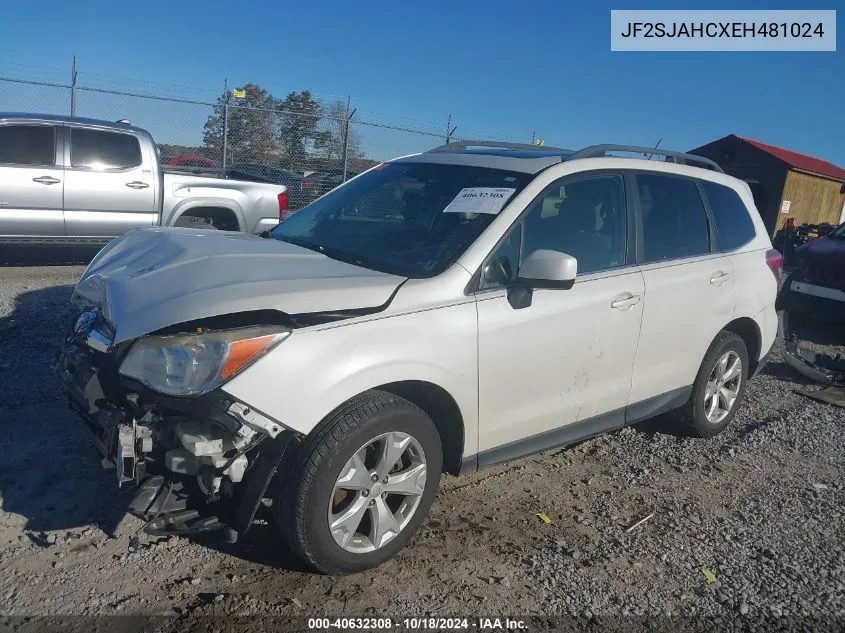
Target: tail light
774 260
283 205
303 184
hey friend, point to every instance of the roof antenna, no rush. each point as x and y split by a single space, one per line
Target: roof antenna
655 147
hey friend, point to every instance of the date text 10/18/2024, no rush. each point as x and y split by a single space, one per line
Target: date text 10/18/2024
418 624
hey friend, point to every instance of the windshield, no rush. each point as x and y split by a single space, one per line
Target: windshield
840 232
409 219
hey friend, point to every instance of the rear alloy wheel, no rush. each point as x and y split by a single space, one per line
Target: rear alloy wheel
719 387
723 387
361 485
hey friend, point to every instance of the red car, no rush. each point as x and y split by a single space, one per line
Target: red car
193 161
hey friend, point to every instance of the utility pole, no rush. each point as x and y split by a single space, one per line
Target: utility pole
349 116
73 87
450 130
225 119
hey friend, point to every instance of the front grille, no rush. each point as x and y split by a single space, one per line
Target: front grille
825 275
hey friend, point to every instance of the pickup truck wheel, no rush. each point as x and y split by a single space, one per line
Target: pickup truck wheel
360 487
719 387
193 222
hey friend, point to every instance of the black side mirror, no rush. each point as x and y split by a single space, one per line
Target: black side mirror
499 271
520 296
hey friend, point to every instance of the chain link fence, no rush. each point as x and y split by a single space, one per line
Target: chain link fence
310 151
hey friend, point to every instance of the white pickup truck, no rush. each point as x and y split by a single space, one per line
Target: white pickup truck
74 180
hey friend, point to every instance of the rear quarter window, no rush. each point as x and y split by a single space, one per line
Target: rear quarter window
734 226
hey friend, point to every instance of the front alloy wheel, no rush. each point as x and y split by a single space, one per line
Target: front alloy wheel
377 493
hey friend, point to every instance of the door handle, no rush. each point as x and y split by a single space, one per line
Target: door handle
137 184
717 279
46 180
625 302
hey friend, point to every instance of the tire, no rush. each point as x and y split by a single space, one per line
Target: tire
693 415
193 222
301 503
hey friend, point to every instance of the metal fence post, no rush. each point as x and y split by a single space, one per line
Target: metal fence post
73 87
225 119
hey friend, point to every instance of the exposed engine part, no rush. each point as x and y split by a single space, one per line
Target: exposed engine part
144 438
125 461
201 439
208 448
156 495
237 468
254 420
210 482
180 460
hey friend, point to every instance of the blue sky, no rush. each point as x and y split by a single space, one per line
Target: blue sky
501 69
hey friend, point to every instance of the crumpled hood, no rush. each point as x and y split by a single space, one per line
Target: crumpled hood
151 278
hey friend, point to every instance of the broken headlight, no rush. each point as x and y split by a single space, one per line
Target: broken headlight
193 364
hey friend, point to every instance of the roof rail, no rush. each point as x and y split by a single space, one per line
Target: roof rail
500 144
598 151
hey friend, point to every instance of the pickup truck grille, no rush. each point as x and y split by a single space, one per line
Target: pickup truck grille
826 275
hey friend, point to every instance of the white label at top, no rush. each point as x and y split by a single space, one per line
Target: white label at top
480 200
723 30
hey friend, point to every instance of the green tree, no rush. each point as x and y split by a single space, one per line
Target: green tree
252 127
300 115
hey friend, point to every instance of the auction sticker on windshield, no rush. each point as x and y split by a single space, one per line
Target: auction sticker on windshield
480 200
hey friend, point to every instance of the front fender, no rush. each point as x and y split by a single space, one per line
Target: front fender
317 369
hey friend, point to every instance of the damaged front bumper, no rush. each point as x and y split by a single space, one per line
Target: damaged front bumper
198 465
821 368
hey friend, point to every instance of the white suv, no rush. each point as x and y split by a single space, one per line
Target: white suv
445 311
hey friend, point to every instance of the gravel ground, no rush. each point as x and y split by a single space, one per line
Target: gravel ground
759 510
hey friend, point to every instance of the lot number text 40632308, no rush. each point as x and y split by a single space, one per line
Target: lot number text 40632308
418 624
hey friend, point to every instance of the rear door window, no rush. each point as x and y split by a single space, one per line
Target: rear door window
734 226
100 149
28 144
674 221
